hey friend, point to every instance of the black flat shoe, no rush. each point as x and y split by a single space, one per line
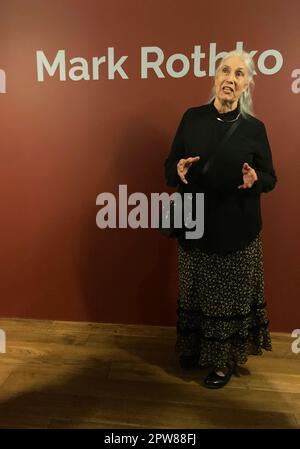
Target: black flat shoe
188 362
214 381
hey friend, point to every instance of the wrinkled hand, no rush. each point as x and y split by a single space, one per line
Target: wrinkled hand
249 176
184 165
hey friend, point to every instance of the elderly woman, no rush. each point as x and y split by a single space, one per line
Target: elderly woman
221 310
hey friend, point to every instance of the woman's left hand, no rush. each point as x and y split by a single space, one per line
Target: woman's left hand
249 177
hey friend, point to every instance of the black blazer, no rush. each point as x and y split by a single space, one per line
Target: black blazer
232 216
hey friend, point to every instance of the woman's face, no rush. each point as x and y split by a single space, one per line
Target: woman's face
231 80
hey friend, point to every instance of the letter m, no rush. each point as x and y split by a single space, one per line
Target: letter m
2 82
2 341
43 63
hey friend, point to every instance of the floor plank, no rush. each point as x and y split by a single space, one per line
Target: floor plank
92 375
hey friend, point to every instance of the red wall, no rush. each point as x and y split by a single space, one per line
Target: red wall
64 142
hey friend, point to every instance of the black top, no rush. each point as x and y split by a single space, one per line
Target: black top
232 216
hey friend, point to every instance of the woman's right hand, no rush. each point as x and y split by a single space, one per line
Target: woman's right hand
184 165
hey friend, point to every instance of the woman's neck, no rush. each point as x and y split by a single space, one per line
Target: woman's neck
225 106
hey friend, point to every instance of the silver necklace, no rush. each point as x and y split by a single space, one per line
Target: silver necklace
229 121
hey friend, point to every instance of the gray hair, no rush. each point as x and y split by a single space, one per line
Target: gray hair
245 100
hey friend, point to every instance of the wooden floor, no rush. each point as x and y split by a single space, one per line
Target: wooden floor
85 375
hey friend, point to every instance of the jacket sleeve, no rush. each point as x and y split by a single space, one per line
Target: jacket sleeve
176 153
263 164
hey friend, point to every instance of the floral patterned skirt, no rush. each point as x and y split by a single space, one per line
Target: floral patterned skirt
221 312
